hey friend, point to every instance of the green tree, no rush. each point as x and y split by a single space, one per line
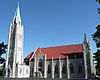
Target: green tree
96 38
98 1
3 49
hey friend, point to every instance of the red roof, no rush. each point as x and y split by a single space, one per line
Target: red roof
59 51
28 56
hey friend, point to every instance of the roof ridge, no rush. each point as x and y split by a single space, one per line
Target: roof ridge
61 46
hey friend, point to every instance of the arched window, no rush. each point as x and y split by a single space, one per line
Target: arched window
80 68
8 72
49 69
71 68
20 70
64 69
40 63
26 71
56 69
32 70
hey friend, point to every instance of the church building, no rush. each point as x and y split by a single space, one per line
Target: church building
68 61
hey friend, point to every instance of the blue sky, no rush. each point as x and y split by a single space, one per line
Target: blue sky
50 22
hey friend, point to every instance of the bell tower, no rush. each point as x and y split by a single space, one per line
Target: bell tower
15 45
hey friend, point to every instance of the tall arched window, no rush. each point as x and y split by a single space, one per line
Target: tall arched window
56 69
80 68
40 63
49 69
64 70
20 70
8 72
71 68
26 71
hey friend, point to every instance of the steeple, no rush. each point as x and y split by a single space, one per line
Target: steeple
15 45
17 13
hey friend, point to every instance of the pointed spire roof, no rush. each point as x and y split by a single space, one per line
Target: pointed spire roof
17 13
85 38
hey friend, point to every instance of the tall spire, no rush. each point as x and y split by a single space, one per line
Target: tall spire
85 38
17 13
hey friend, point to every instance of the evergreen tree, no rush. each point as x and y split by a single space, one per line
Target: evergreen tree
98 1
2 60
96 38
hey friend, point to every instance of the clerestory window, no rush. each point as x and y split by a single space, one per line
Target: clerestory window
71 68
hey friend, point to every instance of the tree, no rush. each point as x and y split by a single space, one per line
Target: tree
2 60
96 38
98 1
2 51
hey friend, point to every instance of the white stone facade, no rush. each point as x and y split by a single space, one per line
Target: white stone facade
23 71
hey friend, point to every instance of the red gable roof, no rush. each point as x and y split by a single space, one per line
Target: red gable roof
28 56
57 51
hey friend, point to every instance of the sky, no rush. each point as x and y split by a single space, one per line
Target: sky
50 22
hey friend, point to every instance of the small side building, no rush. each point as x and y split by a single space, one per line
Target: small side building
23 71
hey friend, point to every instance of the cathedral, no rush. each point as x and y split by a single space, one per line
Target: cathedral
67 61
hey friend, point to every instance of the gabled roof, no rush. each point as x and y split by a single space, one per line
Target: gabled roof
59 51
28 56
